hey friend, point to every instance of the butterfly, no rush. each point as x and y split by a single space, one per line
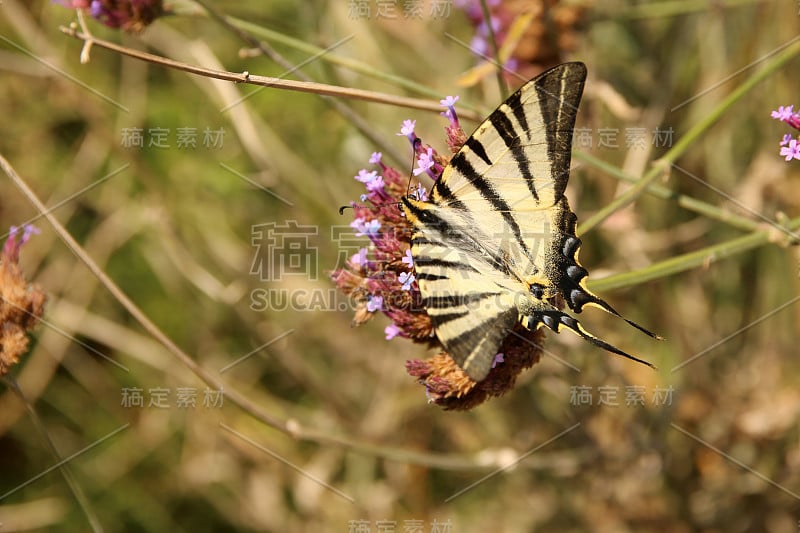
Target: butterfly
494 244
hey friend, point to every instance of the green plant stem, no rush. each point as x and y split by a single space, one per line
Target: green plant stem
694 259
662 165
487 18
687 202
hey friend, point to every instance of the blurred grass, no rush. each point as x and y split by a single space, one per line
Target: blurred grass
173 229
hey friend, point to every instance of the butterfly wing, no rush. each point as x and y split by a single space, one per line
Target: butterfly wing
497 239
468 293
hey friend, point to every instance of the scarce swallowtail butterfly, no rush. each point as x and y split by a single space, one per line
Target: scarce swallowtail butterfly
495 242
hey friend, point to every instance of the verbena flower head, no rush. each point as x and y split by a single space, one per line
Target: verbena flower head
21 304
790 146
380 278
129 15
541 41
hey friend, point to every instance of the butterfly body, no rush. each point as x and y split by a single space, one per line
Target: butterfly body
495 243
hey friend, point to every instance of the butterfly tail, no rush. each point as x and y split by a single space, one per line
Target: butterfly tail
579 298
558 320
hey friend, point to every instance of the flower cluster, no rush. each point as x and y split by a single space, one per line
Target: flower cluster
381 278
129 15
21 304
790 146
544 31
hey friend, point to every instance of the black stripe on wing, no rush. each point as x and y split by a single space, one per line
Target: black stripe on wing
466 240
476 146
456 300
425 276
444 318
428 261
559 97
445 196
474 349
515 103
506 130
488 192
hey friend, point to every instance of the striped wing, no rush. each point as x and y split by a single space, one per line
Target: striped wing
497 240
515 167
468 293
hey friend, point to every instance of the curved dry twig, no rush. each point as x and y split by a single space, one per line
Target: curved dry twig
265 81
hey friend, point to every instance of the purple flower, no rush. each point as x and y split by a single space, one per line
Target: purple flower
408 259
362 227
376 183
391 331
12 245
365 176
96 9
408 130
375 158
450 102
130 15
408 127
479 45
789 145
792 151
374 303
421 193
360 259
783 113
497 360
406 279
425 163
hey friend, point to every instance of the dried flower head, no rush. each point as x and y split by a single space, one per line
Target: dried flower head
539 32
381 278
130 15
21 304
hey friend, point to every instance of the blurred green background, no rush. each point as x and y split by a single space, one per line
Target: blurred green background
712 446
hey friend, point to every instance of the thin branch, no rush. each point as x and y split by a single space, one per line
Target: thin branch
265 81
659 191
